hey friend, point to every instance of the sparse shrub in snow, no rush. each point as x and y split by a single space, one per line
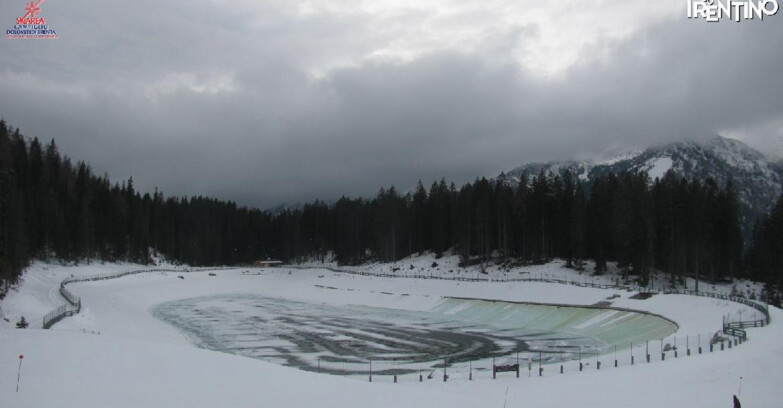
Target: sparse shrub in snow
718 337
736 292
771 294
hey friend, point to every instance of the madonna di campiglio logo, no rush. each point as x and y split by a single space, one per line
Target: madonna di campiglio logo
31 26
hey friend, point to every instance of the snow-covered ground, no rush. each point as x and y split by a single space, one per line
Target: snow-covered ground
116 353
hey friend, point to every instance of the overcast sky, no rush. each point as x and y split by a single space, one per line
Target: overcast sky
283 101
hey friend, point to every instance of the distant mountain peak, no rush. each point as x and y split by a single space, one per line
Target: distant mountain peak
758 181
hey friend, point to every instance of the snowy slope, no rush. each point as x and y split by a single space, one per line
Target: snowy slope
758 182
137 360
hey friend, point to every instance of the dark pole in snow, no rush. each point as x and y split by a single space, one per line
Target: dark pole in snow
19 372
561 361
615 355
540 369
445 377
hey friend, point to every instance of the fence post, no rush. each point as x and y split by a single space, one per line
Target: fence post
540 368
663 355
529 367
675 346
517 365
615 355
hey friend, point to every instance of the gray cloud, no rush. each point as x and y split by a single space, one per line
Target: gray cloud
227 104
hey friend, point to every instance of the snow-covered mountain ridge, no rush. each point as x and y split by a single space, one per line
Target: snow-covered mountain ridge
758 181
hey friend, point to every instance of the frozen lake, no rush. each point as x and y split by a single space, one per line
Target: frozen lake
344 339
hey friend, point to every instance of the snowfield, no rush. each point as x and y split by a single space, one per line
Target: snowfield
116 353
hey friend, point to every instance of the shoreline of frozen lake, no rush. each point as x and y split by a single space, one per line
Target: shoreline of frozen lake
347 339
138 360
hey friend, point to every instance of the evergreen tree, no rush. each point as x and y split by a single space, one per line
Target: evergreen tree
504 197
419 237
578 230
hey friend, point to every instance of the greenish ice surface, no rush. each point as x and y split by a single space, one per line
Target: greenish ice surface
609 326
458 334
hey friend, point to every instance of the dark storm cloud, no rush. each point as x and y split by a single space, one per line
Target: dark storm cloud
216 104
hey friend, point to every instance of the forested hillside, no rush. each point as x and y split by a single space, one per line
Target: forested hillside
53 208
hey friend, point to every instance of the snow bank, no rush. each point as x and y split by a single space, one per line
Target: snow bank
138 360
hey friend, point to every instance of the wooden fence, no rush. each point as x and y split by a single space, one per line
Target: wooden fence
734 328
74 304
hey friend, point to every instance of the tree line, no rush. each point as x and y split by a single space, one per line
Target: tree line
673 224
52 208
765 253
